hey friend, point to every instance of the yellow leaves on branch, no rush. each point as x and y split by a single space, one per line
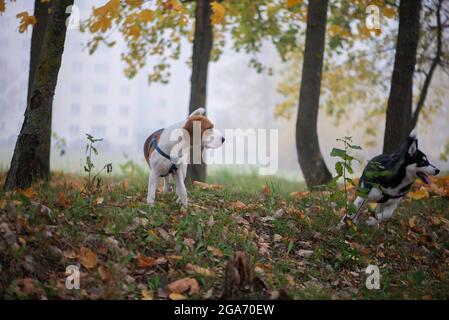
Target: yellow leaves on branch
2 6
218 13
103 16
292 3
26 20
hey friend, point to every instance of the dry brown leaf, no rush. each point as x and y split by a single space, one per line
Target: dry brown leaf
104 273
206 186
215 251
146 295
419 194
148 262
237 205
27 193
176 296
191 269
184 285
70 254
87 258
412 221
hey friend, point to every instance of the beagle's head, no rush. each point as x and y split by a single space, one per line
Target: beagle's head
198 126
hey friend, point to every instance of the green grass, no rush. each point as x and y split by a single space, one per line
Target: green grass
272 228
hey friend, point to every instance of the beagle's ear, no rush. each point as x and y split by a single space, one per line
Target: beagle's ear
198 112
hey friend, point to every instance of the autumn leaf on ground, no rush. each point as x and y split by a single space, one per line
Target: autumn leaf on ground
412 221
61 201
300 194
26 20
184 285
218 14
192 269
104 273
27 193
87 258
215 251
419 194
238 205
176 296
146 295
206 186
148 262
99 201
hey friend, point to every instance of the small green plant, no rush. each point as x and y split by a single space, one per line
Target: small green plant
59 143
343 167
130 168
93 181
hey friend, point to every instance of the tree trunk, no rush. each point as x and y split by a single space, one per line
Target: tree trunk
307 144
31 158
37 39
400 102
202 46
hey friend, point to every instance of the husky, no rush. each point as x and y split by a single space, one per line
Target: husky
387 178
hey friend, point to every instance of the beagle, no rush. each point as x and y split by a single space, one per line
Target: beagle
167 152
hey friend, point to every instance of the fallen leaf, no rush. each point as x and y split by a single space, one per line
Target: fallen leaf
304 253
183 285
27 193
104 273
149 262
189 242
99 201
206 186
237 205
412 221
215 251
192 269
176 296
70 254
146 295
419 194
87 258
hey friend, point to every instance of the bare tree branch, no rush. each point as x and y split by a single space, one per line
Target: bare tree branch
436 60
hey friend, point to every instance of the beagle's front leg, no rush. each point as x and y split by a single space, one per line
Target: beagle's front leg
181 190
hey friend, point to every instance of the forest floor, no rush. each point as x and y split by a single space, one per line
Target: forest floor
289 246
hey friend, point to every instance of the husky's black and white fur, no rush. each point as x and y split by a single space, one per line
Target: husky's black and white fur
403 168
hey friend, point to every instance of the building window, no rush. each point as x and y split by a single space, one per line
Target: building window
99 131
74 130
76 88
124 111
77 67
100 88
101 68
123 132
125 91
99 109
4 43
75 108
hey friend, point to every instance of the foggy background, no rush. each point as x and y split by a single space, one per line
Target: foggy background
93 96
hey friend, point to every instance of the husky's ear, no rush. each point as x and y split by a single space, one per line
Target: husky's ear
198 112
413 147
413 142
